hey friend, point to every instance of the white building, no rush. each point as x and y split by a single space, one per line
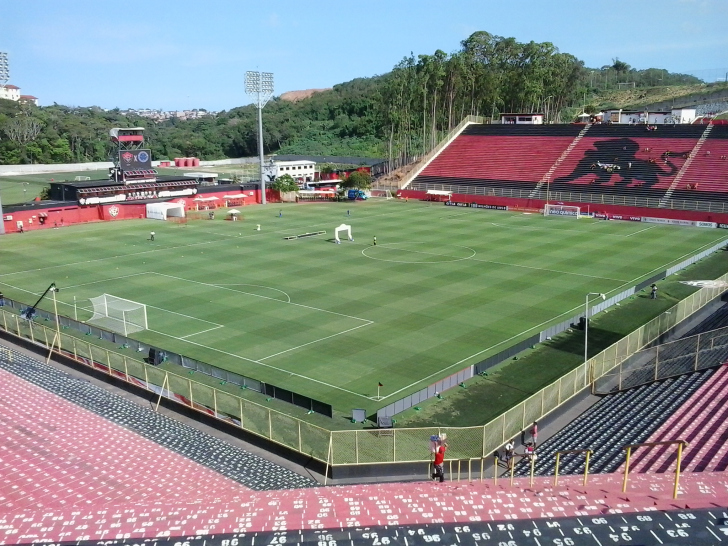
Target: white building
301 170
522 119
676 115
10 92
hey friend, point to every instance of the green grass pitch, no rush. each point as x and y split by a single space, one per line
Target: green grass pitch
444 287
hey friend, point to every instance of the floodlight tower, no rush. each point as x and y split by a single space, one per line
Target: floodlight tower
4 68
259 85
4 77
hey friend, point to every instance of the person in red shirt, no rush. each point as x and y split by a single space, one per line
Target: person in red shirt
438 463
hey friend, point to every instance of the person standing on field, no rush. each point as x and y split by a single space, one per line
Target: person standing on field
653 292
151 236
375 240
534 433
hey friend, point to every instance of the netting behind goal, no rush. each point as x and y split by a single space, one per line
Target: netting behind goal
118 314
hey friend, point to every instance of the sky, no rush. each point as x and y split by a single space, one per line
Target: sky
185 54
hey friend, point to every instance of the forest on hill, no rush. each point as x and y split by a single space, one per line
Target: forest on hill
396 115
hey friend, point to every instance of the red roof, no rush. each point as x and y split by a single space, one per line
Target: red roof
11 87
28 97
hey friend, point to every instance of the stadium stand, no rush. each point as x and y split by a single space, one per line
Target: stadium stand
670 162
626 417
639 161
512 156
707 176
236 464
703 422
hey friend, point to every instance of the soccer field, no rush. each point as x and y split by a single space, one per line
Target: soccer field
444 287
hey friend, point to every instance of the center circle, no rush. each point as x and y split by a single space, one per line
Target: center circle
418 253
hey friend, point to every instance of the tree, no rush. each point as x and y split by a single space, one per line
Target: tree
284 184
360 180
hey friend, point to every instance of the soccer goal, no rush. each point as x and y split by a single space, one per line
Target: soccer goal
118 315
386 194
562 210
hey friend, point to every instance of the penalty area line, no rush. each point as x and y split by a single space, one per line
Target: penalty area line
315 341
262 364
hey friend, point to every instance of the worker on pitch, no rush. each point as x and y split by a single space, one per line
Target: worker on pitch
375 240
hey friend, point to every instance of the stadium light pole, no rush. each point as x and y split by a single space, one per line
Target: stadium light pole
586 319
260 86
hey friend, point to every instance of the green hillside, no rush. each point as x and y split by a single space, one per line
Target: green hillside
397 114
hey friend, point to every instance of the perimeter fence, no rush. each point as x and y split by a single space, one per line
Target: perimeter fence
357 447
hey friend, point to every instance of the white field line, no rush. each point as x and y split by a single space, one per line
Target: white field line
640 231
202 332
315 341
219 287
550 270
104 280
614 290
258 286
214 241
494 262
554 229
186 316
264 364
184 340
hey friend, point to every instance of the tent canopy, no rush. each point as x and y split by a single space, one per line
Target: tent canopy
160 211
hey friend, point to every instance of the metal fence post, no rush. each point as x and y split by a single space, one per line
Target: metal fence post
108 360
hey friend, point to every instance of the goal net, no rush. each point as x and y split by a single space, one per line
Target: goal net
561 210
386 194
118 315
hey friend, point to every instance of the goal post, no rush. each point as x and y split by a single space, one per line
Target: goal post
118 314
568 211
385 194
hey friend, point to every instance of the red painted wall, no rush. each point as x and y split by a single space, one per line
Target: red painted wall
537 204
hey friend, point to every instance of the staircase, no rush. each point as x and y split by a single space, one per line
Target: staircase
559 161
686 165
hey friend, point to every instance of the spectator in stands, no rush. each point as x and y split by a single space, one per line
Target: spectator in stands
724 157
653 292
534 433
707 153
648 149
439 462
510 450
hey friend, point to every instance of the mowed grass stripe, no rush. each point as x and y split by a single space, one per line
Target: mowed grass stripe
427 320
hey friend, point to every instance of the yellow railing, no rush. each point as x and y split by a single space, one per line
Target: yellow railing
681 444
358 447
568 452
